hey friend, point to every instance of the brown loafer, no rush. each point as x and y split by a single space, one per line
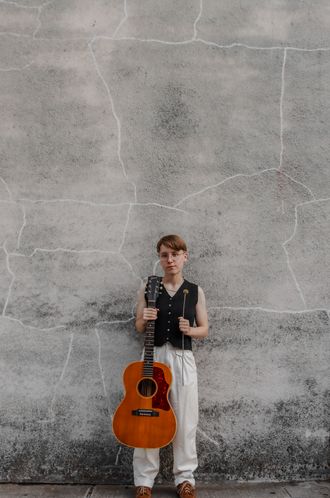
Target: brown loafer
186 490
142 492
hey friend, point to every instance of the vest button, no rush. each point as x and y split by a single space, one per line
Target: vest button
168 330
169 312
169 321
170 305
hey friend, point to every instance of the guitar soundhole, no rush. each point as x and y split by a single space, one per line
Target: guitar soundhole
147 387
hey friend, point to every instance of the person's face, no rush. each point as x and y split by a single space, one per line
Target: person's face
172 261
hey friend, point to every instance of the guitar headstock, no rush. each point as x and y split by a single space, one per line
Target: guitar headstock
153 289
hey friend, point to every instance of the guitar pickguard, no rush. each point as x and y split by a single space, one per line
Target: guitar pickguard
160 398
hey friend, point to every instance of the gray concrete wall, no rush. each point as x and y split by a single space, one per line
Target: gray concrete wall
122 121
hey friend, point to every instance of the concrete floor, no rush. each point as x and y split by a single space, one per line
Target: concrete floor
307 489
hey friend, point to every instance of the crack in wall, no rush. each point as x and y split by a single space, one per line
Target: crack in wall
40 8
10 33
210 43
12 280
287 492
117 456
155 265
255 47
207 437
125 229
8 69
91 203
129 264
292 236
198 18
159 205
51 410
61 249
247 175
126 17
267 310
40 329
281 107
22 227
280 169
19 6
111 322
295 280
77 201
35 7
89 492
122 21
110 412
114 114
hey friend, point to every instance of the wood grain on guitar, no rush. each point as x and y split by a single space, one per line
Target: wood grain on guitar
145 418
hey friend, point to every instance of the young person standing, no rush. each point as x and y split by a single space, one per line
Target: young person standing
173 346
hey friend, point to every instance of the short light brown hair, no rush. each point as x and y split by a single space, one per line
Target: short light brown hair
174 242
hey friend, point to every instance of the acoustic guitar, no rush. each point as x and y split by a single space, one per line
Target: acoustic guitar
145 418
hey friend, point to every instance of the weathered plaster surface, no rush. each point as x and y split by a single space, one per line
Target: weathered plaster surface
123 121
297 23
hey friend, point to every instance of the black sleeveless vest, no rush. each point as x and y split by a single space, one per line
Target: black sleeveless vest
170 308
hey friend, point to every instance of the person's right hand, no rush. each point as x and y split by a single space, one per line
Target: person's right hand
150 313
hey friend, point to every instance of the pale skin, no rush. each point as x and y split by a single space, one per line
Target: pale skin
172 263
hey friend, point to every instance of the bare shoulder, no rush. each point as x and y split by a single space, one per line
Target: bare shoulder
201 295
201 310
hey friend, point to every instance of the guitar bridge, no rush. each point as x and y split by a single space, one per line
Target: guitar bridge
143 412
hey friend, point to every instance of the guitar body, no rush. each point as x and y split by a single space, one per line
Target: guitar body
145 418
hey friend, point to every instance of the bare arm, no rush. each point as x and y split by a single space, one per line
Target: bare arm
202 325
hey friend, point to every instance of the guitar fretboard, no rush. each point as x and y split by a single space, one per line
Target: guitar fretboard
148 362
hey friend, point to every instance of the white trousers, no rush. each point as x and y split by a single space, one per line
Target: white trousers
184 400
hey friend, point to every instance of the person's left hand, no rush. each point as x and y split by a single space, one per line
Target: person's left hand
184 325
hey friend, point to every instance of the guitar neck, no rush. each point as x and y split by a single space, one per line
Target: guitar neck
149 341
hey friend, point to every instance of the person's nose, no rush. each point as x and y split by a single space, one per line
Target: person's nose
170 257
